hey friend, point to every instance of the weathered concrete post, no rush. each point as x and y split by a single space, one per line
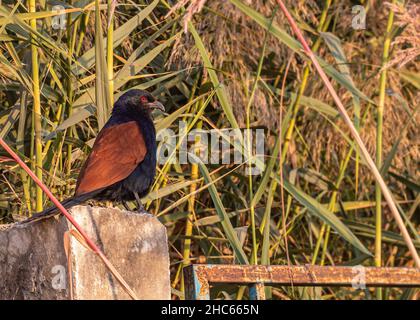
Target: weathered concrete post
33 262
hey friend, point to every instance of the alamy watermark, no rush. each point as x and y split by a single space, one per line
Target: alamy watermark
59 279
358 22
59 21
215 146
359 280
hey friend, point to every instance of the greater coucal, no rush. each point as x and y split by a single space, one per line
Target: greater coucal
122 163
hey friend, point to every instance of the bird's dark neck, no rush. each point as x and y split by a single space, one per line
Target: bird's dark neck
142 117
129 110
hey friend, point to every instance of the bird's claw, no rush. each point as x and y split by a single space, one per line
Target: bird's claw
141 210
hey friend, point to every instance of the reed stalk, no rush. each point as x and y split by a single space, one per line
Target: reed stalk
110 49
191 209
37 126
379 144
70 30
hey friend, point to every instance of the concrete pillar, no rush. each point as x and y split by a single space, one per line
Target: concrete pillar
33 262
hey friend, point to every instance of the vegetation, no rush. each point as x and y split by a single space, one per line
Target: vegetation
228 64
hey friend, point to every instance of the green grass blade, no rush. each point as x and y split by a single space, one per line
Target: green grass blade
103 103
87 60
325 215
221 211
219 87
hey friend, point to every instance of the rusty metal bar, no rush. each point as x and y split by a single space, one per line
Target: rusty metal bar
198 277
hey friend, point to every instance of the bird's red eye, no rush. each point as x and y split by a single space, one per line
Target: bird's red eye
143 99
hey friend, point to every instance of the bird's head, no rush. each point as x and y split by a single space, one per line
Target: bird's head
140 100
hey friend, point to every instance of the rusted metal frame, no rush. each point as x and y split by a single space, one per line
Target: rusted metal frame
198 277
196 284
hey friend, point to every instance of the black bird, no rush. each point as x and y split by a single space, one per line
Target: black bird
122 163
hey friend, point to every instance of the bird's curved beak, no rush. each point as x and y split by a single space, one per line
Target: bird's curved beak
157 105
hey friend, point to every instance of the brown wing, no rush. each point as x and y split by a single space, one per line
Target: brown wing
115 154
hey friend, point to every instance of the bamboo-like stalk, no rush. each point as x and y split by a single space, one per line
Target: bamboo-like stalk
379 127
20 147
191 208
83 25
193 188
36 108
110 50
379 130
69 87
254 256
281 160
355 134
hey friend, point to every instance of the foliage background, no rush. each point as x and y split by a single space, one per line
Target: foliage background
227 64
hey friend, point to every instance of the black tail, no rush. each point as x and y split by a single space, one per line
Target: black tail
52 211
